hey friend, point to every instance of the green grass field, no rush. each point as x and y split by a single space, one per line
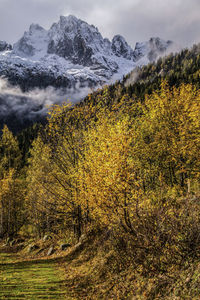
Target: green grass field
33 279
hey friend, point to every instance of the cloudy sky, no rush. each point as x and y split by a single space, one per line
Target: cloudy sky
136 20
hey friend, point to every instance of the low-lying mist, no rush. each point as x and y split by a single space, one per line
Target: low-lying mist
20 109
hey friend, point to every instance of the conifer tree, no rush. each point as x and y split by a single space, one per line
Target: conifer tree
10 156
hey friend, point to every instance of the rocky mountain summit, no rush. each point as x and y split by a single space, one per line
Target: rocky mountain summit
5 46
72 53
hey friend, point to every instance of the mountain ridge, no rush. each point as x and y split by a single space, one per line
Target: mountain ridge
73 52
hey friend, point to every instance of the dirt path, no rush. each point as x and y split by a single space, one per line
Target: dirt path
39 279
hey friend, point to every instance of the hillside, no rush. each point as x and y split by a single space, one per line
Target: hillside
117 180
176 69
114 178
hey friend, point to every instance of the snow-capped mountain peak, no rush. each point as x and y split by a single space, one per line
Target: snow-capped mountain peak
73 52
74 39
33 43
35 28
120 47
151 49
4 46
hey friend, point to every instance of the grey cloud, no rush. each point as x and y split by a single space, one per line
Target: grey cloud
34 104
137 20
177 20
